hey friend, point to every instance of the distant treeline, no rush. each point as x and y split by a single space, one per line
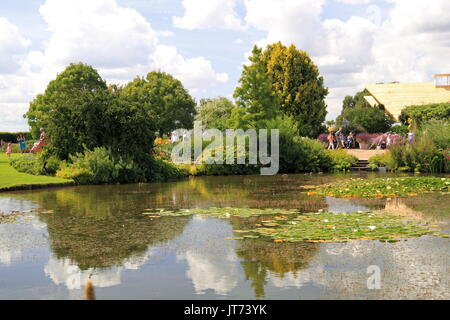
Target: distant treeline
12 136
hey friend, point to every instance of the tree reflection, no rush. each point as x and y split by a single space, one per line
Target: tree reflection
100 230
260 257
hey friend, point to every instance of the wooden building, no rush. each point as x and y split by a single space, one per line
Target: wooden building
397 96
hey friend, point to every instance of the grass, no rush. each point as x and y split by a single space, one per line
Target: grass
9 177
385 187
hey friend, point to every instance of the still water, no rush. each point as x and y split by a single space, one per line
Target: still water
99 233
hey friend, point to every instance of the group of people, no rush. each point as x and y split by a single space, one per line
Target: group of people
20 140
338 140
23 144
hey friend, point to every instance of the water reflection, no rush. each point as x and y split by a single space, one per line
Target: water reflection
262 259
211 258
99 233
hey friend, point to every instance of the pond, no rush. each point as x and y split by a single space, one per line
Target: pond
57 239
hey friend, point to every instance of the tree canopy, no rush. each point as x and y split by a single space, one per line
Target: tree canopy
164 98
358 115
78 111
299 86
215 113
255 93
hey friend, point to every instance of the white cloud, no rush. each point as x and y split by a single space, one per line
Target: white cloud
355 1
13 46
195 73
119 42
200 14
408 46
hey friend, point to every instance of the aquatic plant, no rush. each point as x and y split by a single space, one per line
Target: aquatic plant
385 187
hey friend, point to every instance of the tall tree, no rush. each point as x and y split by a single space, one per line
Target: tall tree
79 111
255 94
215 113
164 98
358 115
76 80
297 82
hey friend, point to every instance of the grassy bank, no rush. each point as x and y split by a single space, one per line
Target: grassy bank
11 179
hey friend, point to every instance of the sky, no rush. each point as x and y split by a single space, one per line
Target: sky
204 43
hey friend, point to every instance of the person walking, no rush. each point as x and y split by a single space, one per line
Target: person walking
350 140
330 139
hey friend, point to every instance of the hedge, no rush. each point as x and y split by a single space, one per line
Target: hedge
12 136
440 111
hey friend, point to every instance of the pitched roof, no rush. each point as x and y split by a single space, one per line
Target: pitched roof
396 96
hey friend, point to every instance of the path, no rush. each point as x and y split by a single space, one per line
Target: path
364 154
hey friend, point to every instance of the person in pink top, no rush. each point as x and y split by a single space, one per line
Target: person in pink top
8 149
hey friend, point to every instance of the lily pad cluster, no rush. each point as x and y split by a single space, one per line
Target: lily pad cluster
225 212
341 227
385 187
289 225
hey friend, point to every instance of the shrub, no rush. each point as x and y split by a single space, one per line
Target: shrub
383 160
28 163
99 166
402 129
438 132
341 160
421 156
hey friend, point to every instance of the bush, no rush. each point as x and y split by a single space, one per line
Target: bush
420 156
402 129
99 166
383 160
341 160
439 132
29 163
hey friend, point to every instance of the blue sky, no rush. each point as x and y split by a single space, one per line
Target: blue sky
205 43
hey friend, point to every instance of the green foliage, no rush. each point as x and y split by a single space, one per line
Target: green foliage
428 153
359 116
383 160
79 112
402 129
298 154
100 166
255 94
425 113
215 113
438 131
28 163
63 92
12 136
386 187
164 98
421 156
299 86
342 161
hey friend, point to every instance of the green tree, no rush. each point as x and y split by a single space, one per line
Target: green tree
215 113
164 98
78 112
76 80
255 95
299 86
358 115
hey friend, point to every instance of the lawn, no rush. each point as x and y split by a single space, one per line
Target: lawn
9 177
